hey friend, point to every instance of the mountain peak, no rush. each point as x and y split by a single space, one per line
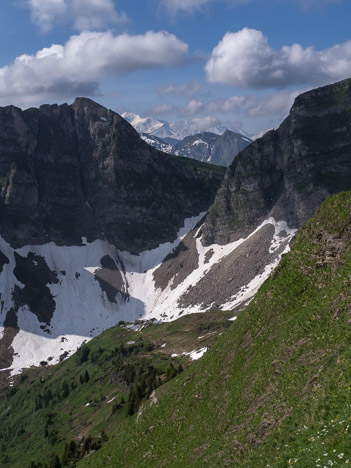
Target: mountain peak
290 171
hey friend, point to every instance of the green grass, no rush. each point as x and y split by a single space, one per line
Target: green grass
275 390
75 410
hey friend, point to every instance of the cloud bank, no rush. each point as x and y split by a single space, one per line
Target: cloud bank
245 59
185 89
65 71
190 6
255 106
83 14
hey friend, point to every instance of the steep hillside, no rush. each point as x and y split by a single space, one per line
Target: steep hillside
97 389
275 390
288 172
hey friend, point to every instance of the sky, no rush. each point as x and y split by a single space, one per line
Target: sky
237 62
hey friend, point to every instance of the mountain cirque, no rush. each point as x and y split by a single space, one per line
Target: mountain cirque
76 184
98 227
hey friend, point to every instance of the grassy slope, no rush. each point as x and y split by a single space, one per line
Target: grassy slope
27 434
276 388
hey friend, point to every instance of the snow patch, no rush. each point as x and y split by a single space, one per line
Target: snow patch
195 355
200 142
82 307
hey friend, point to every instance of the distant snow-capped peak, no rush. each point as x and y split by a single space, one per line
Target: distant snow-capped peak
149 125
177 130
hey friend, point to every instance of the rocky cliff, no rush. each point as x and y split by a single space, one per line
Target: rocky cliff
290 171
68 172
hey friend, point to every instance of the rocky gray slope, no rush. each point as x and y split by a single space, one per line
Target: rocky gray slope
197 146
157 142
68 172
288 172
216 149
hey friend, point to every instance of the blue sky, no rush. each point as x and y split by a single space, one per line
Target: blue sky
241 62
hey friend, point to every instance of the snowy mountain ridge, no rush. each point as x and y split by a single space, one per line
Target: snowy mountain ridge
178 130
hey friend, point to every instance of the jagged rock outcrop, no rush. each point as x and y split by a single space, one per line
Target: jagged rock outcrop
68 172
288 172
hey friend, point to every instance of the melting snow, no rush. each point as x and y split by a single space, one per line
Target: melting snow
163 304
83 309
194 355
200 142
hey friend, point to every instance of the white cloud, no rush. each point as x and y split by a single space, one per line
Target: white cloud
83 14
173 7
64 71
245 59
186 89
277 104
188 6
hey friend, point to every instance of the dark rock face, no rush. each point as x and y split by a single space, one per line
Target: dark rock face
209 147
33 272
290 171
110 279
82 170
3 261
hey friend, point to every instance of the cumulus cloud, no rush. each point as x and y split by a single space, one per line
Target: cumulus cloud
245 59
186 89
83 14
64 71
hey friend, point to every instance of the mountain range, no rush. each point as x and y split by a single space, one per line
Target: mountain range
99 228
216 145
177 130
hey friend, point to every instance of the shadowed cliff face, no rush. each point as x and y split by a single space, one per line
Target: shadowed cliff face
68 172
290 171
